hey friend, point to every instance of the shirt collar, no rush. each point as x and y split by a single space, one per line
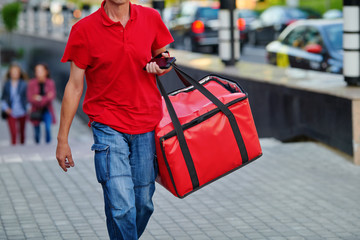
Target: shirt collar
108 22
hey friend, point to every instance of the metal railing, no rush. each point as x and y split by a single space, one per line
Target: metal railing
43 22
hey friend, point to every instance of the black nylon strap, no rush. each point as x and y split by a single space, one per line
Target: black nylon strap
222 107
184 81
180 135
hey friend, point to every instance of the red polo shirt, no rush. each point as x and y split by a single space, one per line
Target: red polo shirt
120 94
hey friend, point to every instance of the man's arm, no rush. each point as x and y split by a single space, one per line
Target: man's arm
153 67
70 103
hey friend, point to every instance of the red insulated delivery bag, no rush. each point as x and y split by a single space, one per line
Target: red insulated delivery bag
206 132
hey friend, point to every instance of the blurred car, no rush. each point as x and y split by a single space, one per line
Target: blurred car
196 27
309 44
246 16
271 22
333 14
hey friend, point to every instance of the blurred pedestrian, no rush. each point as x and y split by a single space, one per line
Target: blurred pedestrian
14 102
41 92
123 104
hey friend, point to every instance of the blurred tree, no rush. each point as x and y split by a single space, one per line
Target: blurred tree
322 5
10 14
81 3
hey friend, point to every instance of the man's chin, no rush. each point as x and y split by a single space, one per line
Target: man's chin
118 2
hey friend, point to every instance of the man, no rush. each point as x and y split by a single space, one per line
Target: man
111 47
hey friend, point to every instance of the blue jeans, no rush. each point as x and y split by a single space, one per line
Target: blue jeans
125 167
47 119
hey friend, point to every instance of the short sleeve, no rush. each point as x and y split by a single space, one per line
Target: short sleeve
163 36
77 49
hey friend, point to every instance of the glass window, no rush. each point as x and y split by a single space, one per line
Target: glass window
244 13
313 36
296 38
335 35
207 13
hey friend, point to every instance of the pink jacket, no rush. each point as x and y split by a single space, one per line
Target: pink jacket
46 101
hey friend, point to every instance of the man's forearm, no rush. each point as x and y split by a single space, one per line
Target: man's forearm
69 106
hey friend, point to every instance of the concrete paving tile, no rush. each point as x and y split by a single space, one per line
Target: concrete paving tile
163 237
214 233
54 238
253 235
200 237
296 238
146 236
70 236
37 235
15 236
277 238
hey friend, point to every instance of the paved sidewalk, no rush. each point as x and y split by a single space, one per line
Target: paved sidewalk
295 191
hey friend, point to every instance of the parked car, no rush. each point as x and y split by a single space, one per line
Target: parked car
309 44
271 23
196 27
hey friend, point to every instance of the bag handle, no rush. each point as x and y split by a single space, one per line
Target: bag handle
222 107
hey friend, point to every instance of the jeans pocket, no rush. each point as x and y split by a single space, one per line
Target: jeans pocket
102 161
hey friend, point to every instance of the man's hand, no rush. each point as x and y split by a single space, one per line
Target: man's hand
155 69
63 155
8 111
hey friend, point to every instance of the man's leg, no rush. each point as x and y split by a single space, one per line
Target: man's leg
142 160
113 171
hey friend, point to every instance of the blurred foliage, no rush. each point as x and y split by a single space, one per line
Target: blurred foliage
81 3
320 6
169 3
262 5
20 53
10 14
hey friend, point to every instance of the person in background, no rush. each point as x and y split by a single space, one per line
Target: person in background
14 102
41 92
